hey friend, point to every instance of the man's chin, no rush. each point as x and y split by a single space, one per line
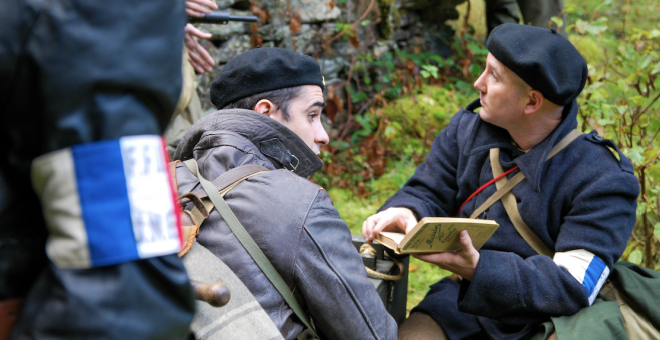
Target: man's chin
483 114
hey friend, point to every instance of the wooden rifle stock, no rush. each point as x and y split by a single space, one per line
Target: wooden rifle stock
215 294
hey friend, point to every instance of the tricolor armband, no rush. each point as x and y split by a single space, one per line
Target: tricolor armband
108 202
586 268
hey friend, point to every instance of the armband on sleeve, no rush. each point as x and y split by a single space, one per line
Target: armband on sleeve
107 202
589 270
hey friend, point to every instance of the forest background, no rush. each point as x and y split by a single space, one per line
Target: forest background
385 136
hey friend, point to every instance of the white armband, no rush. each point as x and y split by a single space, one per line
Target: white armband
586 268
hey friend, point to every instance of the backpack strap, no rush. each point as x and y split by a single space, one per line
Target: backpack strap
229 179
224 183
247 241
192 220
171 167
505 186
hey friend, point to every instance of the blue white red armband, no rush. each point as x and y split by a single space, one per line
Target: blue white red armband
586 268
108 202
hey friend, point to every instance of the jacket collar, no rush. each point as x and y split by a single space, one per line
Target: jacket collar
273 140
485 136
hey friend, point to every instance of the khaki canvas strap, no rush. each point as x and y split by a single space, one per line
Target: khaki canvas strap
498 194
230 178
223 184
248 243
504 187
511 207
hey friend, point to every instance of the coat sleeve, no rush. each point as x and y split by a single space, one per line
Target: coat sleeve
593 234
78 72
341 300
432 190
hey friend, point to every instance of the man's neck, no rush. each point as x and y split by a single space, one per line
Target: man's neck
534 129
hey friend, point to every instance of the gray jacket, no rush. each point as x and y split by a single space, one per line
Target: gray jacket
291 219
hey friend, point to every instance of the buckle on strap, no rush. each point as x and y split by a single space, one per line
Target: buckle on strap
274 149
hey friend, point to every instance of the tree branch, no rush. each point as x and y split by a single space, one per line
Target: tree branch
340 34
650 104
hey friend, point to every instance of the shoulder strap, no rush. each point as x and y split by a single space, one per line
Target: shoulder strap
498 194
231 178
505 186
248 243
224 183
171 167
511 207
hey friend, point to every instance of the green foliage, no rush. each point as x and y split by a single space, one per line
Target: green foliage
416 94
594 28
404 99
413 121
429 70
345 28
590 49
620 101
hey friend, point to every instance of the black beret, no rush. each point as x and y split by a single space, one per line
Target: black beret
261 70
544 59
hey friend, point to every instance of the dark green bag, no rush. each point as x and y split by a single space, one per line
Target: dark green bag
627 308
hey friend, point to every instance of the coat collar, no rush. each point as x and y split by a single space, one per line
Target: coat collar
275 141
485 136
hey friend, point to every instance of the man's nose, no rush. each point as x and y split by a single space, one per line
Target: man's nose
480 84
320 136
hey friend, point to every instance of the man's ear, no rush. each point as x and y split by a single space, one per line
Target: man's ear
534 103
265 106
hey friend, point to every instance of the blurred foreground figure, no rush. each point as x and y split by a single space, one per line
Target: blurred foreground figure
196 59
88 230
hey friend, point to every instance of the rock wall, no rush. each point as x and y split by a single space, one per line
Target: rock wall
311 27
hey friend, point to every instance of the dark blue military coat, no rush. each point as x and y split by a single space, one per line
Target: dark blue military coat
581 204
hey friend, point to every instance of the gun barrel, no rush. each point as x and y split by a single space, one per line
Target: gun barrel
220 17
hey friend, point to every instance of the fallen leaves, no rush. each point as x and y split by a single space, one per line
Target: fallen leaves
255 39
334 105
260 12
294 24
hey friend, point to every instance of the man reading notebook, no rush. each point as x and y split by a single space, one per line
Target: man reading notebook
564 223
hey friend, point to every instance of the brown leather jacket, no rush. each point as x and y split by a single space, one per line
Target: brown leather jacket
291 219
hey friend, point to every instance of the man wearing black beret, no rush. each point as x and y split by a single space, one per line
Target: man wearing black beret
561 228
269 102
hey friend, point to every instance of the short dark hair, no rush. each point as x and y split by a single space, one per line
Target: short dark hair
280 97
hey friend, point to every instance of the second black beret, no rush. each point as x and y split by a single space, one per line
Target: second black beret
544 59
261 70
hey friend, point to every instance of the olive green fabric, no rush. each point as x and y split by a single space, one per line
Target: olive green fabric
638 287
601 321
545 330
181 123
